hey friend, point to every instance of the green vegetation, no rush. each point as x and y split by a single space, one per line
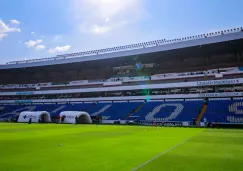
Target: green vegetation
52 147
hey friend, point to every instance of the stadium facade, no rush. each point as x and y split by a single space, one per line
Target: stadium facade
160 81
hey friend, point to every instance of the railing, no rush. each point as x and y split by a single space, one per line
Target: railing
128 47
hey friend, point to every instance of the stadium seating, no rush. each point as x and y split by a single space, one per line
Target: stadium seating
99 109
53 109
121 110
170 111
225 111
228 111
114 111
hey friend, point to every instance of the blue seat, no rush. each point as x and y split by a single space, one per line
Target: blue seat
228 111
170 111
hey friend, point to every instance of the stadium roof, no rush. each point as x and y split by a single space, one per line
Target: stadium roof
131 50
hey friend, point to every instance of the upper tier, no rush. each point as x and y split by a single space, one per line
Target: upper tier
134 49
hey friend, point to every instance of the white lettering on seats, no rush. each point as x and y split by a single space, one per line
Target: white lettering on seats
233 119
235 108
58 109
18 111
173 115
101 111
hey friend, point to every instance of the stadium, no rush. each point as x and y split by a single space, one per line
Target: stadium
156 105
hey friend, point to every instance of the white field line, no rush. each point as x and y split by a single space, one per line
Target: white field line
161 154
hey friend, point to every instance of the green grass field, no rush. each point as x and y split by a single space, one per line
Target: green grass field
35 147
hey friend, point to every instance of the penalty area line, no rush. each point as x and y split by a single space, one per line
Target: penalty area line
159 155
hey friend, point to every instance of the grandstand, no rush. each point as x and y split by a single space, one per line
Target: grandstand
198 77
192 82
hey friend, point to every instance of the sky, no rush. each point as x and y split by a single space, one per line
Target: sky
32 29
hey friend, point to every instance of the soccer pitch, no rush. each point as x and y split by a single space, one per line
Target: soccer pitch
52 147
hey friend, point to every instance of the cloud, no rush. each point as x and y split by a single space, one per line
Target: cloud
57 38
100 29
40 47
2 35
5 29
104 16
59 49
15 22
33 33
33 43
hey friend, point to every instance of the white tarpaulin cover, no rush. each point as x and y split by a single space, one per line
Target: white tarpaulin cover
35 116
69 117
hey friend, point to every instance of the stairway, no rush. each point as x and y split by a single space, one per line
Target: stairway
130 114
199 117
